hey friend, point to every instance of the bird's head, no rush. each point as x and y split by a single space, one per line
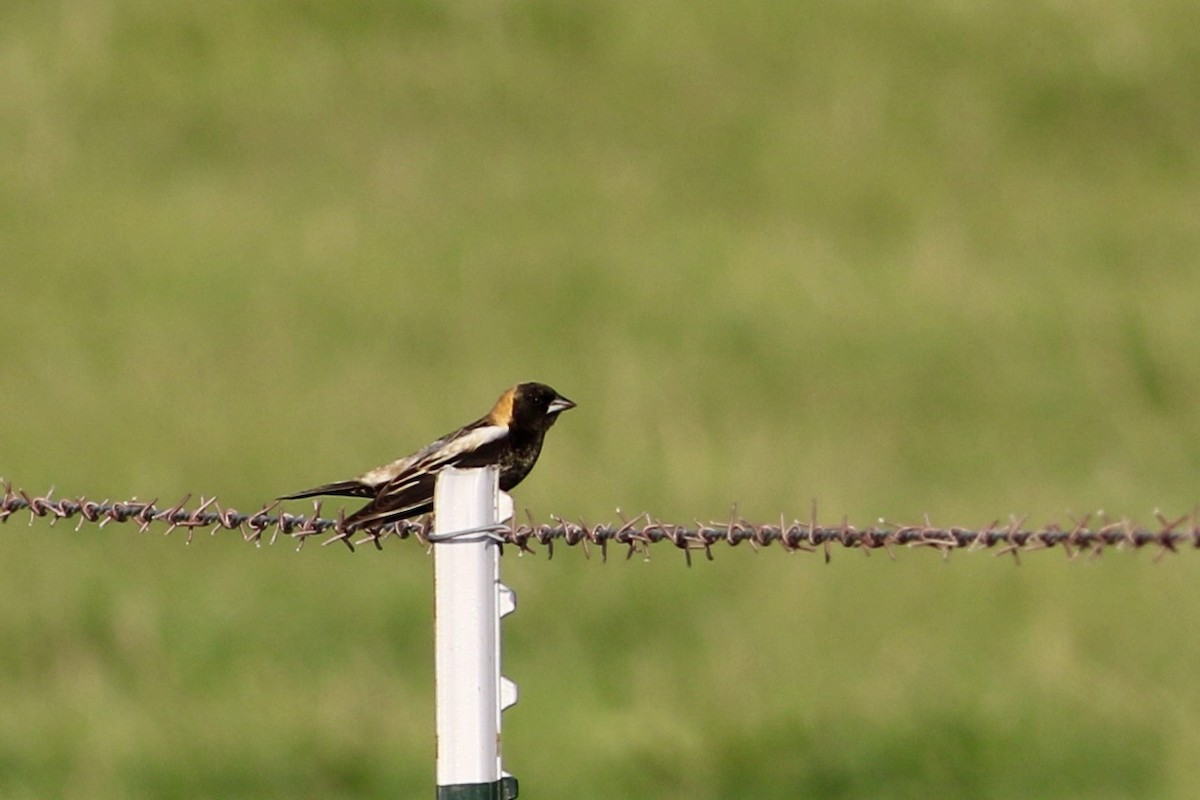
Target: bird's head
530 404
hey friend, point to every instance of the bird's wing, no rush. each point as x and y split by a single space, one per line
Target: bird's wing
457 447
410 481
398 501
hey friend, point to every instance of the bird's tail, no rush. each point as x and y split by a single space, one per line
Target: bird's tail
350 488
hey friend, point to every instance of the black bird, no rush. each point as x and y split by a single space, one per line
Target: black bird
509 437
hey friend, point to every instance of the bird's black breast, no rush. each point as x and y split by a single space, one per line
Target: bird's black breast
517 460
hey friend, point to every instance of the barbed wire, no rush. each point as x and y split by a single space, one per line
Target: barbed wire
636 535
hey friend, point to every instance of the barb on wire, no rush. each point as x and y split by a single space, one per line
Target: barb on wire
637 535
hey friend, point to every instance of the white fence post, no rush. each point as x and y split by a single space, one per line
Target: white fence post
468 603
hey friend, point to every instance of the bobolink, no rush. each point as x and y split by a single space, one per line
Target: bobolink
508 437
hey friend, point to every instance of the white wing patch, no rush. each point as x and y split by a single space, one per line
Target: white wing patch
468 442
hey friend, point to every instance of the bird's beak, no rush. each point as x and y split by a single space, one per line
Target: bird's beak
558 405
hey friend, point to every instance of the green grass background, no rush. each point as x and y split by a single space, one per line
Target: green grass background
899 257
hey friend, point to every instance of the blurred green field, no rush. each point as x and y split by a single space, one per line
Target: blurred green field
902 258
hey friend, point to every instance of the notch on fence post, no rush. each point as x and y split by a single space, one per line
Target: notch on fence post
468 603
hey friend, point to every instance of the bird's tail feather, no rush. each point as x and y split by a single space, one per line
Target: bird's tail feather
350 488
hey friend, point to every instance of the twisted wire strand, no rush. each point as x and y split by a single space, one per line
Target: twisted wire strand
636 535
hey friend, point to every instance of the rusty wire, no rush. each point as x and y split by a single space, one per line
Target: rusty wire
636 535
